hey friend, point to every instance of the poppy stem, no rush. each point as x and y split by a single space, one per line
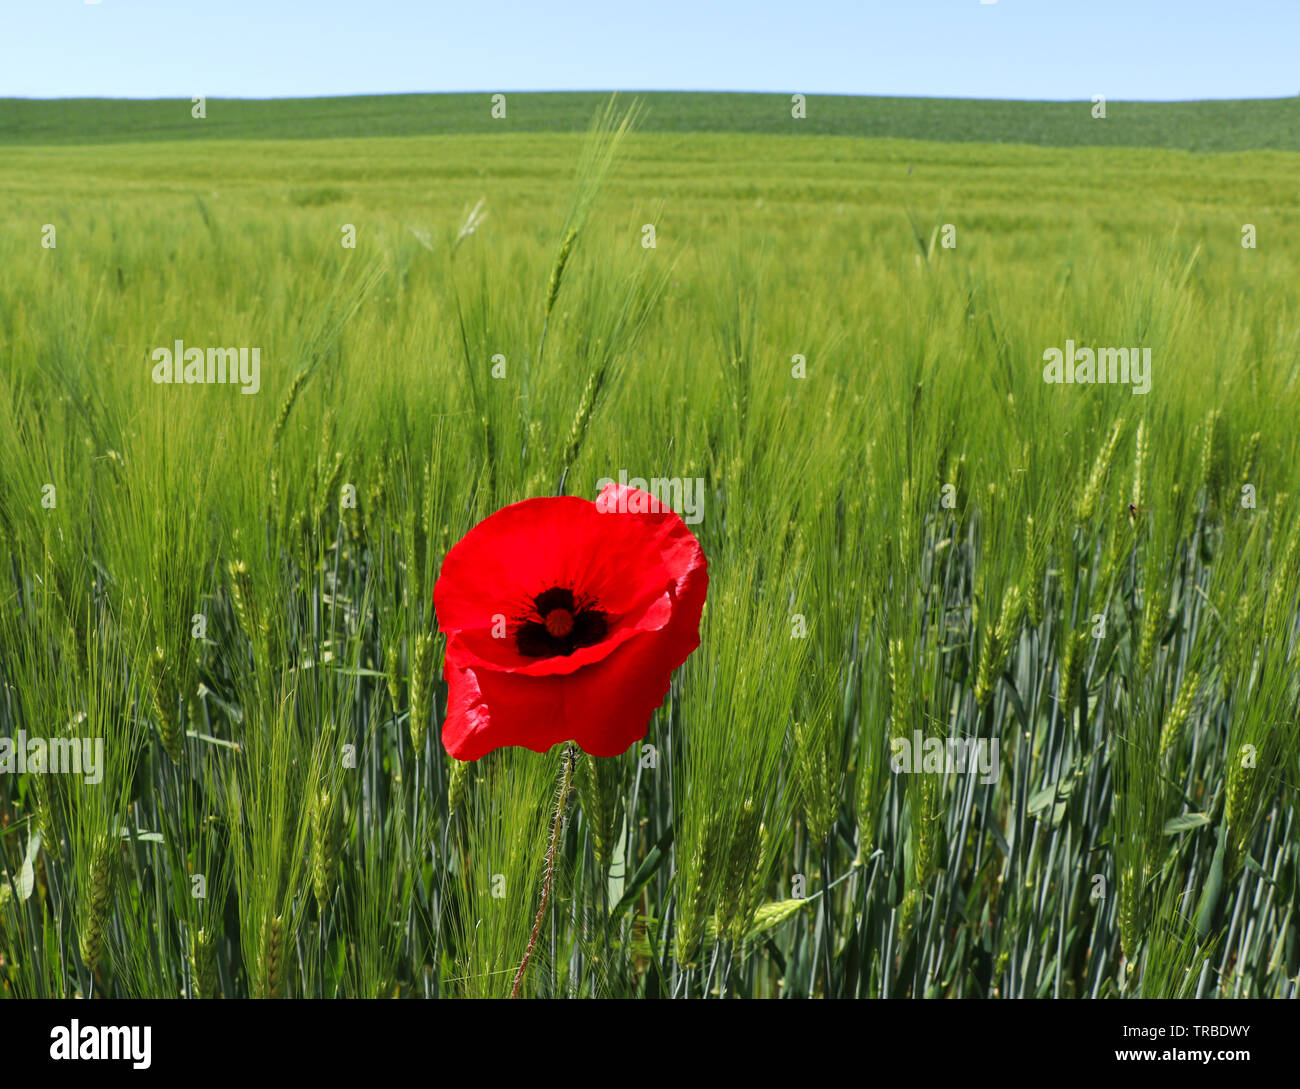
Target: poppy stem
566 778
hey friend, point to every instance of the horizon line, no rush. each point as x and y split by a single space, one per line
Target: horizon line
606 91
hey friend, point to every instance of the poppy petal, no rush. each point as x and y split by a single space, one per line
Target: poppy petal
634 563
604 708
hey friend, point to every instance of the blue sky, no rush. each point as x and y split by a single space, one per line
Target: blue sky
1053 49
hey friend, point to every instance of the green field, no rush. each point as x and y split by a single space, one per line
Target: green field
909 531
1222 125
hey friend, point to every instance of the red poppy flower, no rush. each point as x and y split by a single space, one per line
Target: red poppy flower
565 620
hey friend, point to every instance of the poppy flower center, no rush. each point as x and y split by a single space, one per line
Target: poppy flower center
558 624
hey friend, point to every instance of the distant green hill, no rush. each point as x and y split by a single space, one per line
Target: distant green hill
1195 126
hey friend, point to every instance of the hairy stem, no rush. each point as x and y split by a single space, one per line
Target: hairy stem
566 777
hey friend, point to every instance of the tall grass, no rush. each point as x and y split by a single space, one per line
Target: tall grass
234 591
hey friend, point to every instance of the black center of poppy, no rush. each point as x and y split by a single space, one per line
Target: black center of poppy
559 624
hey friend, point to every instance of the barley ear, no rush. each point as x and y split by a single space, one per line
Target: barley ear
457 780
557 270
166 699
203 963
1182 707
272 957
286 406
324 848
421 690
47 805
98 893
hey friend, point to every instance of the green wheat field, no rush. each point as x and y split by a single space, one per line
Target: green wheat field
840 330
